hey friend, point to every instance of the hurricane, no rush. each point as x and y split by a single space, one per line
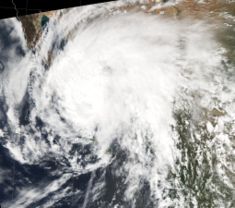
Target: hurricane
116 107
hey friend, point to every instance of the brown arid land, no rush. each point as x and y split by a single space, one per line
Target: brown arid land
208 9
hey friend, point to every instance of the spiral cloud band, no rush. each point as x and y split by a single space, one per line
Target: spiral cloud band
116 109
